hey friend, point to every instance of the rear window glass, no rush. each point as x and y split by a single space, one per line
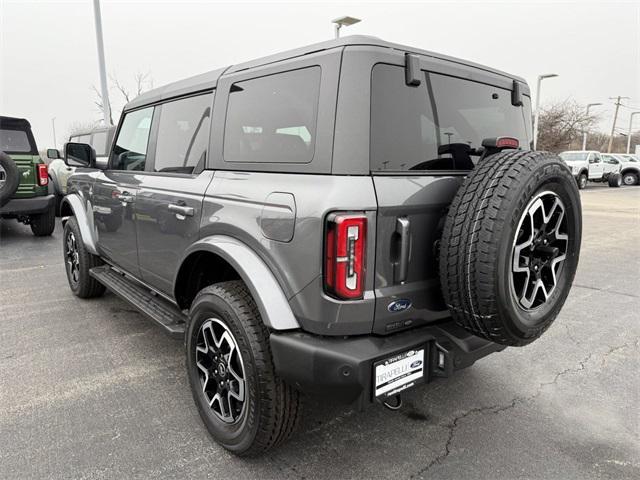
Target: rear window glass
574 156
272 119
438 125
14 141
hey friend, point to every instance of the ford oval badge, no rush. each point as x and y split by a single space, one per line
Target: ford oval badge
399 305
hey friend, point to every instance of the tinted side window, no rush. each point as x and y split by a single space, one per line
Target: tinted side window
99 143
272 119
130 150
183 134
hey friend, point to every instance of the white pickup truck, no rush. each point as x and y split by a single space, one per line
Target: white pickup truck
588 165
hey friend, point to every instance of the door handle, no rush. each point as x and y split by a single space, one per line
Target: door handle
402 265
181 210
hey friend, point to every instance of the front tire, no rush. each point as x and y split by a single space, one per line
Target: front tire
78 261
43 224
244 405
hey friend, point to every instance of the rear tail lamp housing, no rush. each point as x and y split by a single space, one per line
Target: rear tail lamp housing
43 174
345 249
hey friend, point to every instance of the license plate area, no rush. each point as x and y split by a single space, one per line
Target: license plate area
399 372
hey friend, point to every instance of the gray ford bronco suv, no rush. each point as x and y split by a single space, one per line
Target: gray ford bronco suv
349 219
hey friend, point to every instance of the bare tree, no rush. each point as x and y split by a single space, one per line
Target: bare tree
99 102
142 83
563 124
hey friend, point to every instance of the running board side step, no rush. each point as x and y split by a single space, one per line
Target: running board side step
160 310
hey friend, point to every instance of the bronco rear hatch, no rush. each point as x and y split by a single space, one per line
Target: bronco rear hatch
425 136
16 139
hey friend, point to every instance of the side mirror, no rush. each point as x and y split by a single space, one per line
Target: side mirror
79 155
53 154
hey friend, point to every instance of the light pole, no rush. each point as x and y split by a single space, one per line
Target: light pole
106 106
584 134
343 22
537 116
630 124
53 126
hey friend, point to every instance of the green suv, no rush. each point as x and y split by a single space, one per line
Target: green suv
24 178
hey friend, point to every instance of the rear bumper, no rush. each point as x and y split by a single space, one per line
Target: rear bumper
28 206
342 368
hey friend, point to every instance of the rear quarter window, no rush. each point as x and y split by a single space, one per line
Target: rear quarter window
14 141
273 119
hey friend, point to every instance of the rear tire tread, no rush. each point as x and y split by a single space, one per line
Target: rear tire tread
281 403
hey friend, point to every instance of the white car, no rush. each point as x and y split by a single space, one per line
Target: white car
588 165
59 172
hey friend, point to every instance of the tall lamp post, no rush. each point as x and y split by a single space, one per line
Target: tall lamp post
537 116
106 106
584 134
630 124
343 22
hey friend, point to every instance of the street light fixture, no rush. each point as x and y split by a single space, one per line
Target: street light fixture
584 134
344 22
537 116
630 124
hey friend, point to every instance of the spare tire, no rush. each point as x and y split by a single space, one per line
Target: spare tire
510 246
9 178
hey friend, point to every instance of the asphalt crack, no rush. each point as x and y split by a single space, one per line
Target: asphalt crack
452 426
604 290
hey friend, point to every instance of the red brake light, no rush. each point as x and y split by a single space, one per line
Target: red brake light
43 175
507 142
345 255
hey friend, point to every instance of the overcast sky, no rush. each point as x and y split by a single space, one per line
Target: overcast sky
48 61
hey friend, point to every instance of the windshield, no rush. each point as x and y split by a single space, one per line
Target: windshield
574 156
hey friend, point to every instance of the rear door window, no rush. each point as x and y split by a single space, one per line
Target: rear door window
273 119
440 124
183 134
130 149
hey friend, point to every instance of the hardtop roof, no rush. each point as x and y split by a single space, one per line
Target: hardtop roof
209 80
14 122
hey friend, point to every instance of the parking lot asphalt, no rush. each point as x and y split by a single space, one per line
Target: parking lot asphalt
92 389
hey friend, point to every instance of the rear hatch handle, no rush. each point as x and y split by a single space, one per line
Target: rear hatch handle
401 266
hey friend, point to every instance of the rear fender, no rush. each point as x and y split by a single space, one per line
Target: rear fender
265 290
82 211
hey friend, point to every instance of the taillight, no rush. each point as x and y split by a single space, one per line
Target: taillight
43 175
507 142
345 246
